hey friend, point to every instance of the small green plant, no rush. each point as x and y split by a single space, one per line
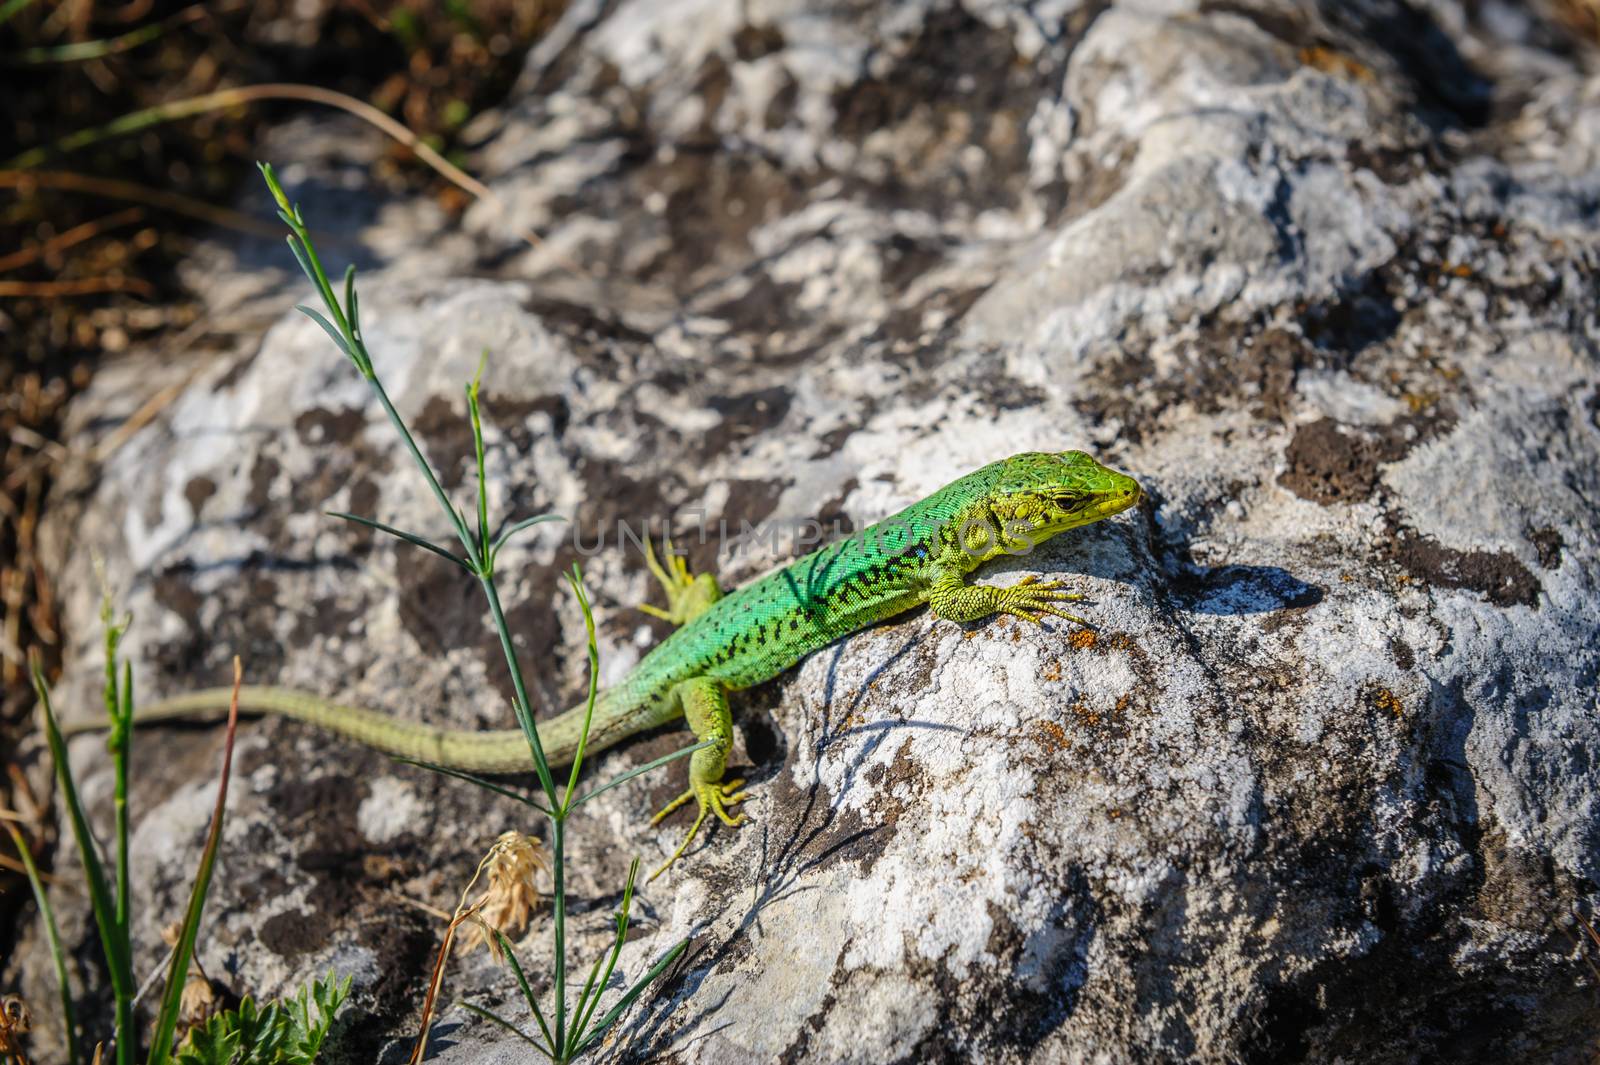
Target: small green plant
290 1032
108 899
566 1030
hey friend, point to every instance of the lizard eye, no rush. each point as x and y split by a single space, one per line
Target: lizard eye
1069 500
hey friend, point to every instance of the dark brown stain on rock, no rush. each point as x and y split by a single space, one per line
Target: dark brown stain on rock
1331 462
518 418
933 101
1401 652
1232 364
292 933
1547 543
445 433
320 427
1328 464
1496 575
263 474
744 416
750 502
197 491
752 42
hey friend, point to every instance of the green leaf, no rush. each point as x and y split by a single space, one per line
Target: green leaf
522 982
410 538
275 187
349 288
216 1042
627 1000
94 875
630 774
508 1026
167 1019
328 327
307 1031
487 785
53 937
575 582
353 299
525 523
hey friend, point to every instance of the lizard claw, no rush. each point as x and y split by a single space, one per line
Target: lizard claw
712 798
688 595
1031 599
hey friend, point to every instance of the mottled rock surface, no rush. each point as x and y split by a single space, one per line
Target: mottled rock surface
1321 787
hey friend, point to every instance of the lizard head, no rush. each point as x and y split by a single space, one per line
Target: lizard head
1038 495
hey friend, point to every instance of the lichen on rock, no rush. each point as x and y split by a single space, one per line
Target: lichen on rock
1318 786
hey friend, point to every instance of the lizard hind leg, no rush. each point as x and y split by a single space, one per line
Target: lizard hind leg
688 595
705 707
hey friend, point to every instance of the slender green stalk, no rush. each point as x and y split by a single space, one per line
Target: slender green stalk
484 553
79 51
586 1010
119 708
558 920
53 937
520 704
12 7
575 581
167 1019
571 1035
100 898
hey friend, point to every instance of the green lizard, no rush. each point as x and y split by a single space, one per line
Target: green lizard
725 643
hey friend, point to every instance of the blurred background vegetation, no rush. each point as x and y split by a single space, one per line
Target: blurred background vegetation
95 216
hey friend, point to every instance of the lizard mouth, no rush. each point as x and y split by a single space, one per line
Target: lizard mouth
1118 500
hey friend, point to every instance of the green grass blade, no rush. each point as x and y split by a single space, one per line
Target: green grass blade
167 1019
53 935
12 7
628 999
327 327
79 51
508 1026
585 1005
94 874
526 523
582 1015
630 774
522 982
410 538
575 580
487 785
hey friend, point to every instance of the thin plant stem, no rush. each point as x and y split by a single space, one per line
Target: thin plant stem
566 1041
101 901
520 704
53 936
575 581
248 94
183 950
112 189
11 8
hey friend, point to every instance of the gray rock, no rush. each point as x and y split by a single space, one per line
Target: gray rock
1319 788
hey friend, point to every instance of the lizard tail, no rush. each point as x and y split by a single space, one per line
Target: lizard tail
501 751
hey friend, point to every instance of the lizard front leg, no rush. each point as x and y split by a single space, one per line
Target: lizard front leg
953 599
705 707
688 596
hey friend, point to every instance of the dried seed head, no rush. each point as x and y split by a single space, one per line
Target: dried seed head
511 896
15 1019
198 1002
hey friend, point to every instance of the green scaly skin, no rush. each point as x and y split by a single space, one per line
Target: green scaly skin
921 555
